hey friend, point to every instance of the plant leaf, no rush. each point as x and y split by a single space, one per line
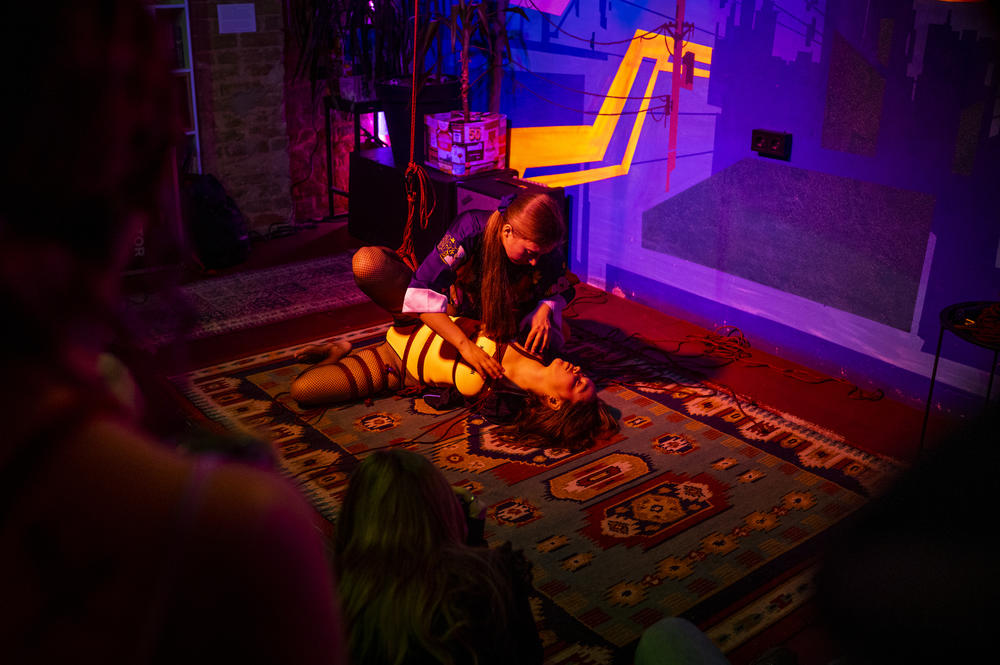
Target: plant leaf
519 11
484 25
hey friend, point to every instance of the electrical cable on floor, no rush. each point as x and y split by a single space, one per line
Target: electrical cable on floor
449 425
598 298
619 362
638 368
284 229
256 236
280 230
313 416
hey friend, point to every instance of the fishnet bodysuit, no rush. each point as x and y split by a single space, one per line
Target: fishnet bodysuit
360 374
411 355
382 276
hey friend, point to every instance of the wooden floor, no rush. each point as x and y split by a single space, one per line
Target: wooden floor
884 427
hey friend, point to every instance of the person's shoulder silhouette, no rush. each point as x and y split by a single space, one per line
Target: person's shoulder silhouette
914 578
114 545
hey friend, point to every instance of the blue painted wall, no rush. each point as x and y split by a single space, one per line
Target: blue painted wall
894 108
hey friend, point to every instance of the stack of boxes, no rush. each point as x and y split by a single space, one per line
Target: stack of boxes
460 148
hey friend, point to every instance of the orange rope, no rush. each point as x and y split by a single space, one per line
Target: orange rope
418 185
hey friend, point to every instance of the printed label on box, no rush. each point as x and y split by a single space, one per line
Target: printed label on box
458 147
444 141
474 152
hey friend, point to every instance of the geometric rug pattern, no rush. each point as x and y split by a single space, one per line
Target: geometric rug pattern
694 502
244 300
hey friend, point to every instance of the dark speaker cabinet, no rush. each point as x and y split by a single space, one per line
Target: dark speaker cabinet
377 212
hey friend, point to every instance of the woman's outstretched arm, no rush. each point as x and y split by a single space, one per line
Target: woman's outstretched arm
478 359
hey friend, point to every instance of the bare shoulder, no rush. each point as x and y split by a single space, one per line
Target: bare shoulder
254 554
230 498
251 490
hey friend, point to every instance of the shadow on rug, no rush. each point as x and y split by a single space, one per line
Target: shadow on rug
245 300
700 501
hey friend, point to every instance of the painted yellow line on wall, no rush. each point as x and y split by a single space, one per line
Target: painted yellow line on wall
560 145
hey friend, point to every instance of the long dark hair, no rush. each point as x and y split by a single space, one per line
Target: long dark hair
405 574
575 425
533 216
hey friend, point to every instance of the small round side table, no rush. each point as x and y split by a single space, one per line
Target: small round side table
976 322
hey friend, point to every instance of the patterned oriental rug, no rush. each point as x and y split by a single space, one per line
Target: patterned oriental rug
700 500
245 300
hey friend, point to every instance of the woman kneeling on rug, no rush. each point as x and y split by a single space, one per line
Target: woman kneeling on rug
555 404
504 267
411 589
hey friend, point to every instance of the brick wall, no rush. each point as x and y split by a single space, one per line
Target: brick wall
240 81
262 132
307 145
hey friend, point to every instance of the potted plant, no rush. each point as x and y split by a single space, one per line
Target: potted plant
435 93
467 142
363 49
356 38
467 17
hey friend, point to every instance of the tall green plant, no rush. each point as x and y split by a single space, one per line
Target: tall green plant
486 19
468 16
376 36
315 29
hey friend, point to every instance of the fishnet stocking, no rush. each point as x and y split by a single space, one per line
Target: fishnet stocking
361 374
382 276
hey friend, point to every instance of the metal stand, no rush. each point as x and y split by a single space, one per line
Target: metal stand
332 103
975 322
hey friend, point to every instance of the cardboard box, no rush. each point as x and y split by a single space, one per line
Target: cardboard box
460 148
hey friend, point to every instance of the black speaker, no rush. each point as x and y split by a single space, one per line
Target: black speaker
378 207
377 204
218 231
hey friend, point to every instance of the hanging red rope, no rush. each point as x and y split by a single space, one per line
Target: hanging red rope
419 192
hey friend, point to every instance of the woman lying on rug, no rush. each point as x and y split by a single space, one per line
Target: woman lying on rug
410 587
504 267
543 405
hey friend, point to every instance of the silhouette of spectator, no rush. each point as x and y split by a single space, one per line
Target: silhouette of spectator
114 547
412 590
914 579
